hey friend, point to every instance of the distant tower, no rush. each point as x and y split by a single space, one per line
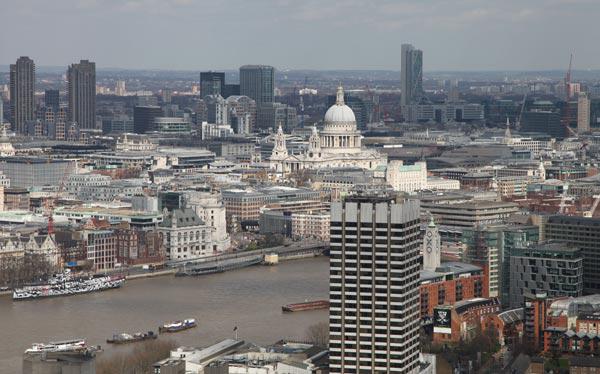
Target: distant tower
583 113
431 247
411 74
22 90
81 92
258 83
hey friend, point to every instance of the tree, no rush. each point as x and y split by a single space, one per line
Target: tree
318 334
31 267
137 361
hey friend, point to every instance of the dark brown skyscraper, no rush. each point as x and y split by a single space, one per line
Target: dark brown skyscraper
81 92
22 90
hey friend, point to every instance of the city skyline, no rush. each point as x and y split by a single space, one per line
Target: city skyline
506 34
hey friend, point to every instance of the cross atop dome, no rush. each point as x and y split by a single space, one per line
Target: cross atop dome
340 96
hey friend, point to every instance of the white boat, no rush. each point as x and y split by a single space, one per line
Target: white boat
61 346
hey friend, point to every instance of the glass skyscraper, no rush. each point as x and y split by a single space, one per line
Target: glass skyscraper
411 75
258 83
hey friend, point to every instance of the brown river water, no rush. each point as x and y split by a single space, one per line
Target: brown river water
249 298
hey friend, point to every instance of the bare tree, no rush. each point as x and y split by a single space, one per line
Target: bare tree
31 267
318 334
137 361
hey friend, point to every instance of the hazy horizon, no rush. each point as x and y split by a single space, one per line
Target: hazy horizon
464 35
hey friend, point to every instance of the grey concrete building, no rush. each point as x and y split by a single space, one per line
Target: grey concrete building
553 268
60 363
470 214
374 286
81 94
22 90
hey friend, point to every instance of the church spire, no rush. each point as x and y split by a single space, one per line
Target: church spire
340 96
507 133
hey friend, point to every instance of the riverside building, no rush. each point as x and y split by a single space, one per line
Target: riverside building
374 285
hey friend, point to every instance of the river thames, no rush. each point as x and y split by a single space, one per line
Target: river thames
249 298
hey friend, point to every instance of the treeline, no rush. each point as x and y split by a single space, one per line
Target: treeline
137 361
30 268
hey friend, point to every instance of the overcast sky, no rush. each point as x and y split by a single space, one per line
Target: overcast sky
298 34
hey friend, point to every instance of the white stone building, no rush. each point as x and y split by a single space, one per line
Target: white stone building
407 178
18 245
186 236
210 208
337 145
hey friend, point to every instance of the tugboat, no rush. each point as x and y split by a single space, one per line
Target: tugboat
124 338
177 326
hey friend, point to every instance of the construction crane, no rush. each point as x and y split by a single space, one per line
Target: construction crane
518 124
590 213
567 114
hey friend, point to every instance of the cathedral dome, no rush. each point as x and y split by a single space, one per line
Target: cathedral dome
339 112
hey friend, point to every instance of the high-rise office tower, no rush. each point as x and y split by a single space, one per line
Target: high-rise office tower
212 83
52 100
583 113
411 76
22 90
81 92
258 83
374 285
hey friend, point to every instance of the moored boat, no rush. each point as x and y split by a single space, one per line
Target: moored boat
66 285
177 326
307 305
124 338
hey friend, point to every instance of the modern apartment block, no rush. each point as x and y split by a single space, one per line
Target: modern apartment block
583 233
374 285
552 268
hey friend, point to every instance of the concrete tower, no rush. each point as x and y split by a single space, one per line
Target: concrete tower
374 285
22 90
432 256
81 92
